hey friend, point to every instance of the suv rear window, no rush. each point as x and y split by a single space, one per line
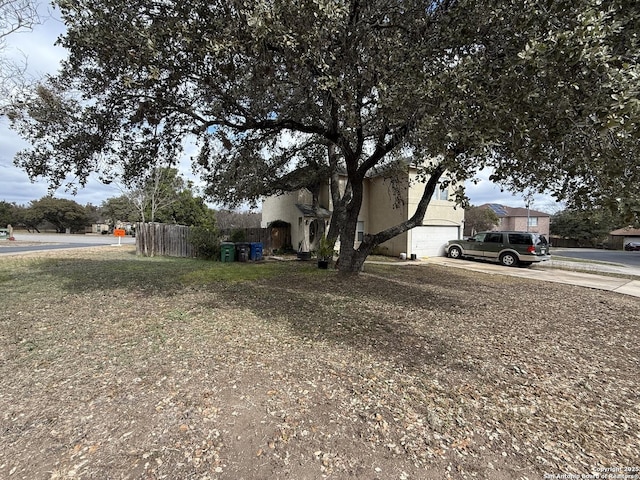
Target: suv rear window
520 239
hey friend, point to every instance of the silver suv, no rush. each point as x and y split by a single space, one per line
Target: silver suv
508 248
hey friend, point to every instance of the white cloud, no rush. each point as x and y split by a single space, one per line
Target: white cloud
485 191
35 48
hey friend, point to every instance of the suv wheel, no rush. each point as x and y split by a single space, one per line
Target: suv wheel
508 260
455 252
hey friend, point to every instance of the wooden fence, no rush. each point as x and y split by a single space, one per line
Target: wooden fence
248 234
163 240
173 240
272 238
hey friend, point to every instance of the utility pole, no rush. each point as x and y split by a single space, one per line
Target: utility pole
528 200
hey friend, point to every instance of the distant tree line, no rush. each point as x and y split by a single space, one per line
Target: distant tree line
162 196
589 227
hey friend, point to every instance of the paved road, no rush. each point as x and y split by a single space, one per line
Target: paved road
629 259
31 242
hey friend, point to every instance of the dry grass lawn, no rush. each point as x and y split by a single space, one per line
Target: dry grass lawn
114 366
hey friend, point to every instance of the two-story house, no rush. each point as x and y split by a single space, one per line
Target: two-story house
387 201
520 219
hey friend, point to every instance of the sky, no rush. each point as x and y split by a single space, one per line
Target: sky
43 57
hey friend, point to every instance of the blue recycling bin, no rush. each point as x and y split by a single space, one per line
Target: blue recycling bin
256 251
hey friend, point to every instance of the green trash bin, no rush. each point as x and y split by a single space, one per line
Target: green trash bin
227 252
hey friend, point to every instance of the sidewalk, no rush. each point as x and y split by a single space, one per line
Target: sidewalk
549 272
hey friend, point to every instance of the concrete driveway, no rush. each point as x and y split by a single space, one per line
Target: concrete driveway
556 272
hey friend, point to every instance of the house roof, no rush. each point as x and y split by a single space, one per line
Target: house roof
628 231
309 211
504 211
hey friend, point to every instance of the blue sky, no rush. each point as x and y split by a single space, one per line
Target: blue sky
44 57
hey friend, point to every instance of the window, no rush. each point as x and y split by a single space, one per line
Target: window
533 221
520 239
493 238
440 193
360 232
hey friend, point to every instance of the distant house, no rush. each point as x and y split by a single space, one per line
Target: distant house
387 201
97 228
619 238
520 219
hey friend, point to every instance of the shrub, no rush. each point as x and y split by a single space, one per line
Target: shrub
238 235
206 241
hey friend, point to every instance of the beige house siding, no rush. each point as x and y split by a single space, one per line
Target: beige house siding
283 207
439 212
389 207
396 201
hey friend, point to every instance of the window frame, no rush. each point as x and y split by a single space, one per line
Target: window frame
360 231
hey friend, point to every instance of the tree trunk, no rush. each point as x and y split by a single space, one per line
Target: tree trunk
351 259
338 201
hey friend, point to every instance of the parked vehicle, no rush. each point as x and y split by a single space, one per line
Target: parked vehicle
632 247
508 248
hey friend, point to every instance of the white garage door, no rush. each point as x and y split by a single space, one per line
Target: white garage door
429 241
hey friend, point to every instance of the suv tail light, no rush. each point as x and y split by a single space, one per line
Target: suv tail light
531 249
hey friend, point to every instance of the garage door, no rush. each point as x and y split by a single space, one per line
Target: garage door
429 241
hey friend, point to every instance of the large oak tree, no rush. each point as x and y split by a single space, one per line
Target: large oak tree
65 215
282 94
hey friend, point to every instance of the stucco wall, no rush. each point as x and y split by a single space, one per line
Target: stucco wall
439 212
283 207
390 210
387 206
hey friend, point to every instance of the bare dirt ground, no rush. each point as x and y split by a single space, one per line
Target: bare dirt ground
119 367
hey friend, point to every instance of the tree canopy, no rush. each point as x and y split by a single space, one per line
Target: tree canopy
588 227
119 209
283 94
63 214
8 214
477 219
162 195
